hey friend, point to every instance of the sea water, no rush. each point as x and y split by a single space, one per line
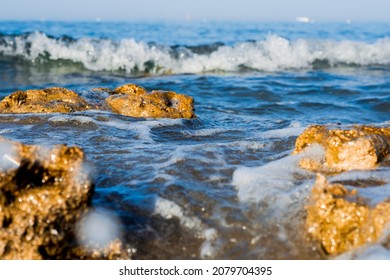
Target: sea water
223 185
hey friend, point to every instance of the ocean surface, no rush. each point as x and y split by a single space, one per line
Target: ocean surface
223 185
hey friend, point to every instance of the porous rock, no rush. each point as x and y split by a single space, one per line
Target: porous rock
361 147
50 100
341 220
43 193
134 101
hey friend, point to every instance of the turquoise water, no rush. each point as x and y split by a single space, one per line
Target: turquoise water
223 185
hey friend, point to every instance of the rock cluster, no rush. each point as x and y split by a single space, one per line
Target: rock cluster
43 193
129 100
337 217
341 220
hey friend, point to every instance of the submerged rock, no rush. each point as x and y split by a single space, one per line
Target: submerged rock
43 193
341 220
134 101
50 100
361 147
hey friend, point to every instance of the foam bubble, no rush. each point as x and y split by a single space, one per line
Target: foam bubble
98 228
208 248
8 159
44 151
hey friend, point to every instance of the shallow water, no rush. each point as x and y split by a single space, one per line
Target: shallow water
223 185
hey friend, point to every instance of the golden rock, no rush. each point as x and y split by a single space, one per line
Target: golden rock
50 100
362 147
341 220
134 101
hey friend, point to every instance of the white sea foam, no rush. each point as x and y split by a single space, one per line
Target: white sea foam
6 130
204 132
169 209
255 145
141 128
64 118
274 53
294 129
254 184
208 248
98 228
276 181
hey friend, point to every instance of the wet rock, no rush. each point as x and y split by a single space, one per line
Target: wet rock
361 147
43 193
50 100
131 89
134 101
341 220
112 251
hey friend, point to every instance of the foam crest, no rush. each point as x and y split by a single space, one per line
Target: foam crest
96 55
294 129
274 53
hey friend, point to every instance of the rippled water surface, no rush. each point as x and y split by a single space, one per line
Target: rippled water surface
223 185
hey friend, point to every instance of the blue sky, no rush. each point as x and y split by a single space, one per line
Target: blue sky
254 10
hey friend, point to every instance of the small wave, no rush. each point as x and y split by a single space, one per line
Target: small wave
204 132
79 119
294 129
279 181
274 53
254 184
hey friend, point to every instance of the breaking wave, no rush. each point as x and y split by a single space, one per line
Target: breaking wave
274 53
